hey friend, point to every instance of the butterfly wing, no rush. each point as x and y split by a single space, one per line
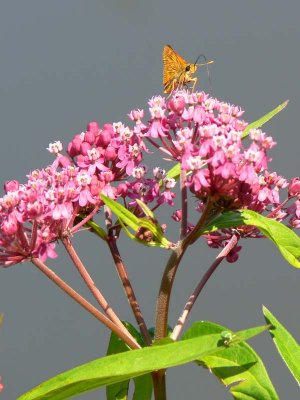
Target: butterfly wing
174 68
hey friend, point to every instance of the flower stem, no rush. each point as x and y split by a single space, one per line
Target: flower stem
159 385
90 283
75 228
123 275
123 334
271 214
193 297
194 234
163 300
184 204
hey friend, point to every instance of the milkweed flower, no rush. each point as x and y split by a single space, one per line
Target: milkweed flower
201 133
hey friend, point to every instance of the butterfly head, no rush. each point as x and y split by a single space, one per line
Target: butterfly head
191 68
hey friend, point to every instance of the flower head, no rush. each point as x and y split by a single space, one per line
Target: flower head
202 134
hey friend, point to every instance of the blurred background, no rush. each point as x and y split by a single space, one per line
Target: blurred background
65 63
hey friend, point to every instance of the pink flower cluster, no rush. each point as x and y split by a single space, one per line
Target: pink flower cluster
205 136
201 133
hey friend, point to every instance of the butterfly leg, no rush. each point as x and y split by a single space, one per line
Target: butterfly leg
194 84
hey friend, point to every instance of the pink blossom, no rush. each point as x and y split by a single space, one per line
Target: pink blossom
136 115
55 147
11 186
177 215
202 134
93 126
46 250
177 104
294 187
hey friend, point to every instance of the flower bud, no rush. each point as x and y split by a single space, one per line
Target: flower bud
294 187
93 127
11 186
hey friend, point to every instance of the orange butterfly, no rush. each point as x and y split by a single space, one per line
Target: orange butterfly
177 71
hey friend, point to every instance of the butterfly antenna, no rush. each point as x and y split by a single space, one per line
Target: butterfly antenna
207 69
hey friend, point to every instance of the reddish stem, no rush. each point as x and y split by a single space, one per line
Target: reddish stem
123 275
159 384
194 234
164 295
278 207
193 297
184 203
84 220
163 300
124 335
90 283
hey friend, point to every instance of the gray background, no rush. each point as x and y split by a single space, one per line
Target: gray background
65 63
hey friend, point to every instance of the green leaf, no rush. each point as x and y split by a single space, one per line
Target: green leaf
1 319
203 328
97 229
228 219
152 331
286 345
287 241
122 213
174 172
118 391
143 384
237 365
123 366
135 223
143 387
261 121
145 208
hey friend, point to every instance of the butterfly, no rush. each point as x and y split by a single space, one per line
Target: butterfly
177 71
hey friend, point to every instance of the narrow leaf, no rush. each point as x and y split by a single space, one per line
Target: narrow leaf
237 365
261 121
286 345
123 366
121 212
145 208
174 172
155 229
143 387
135 223
287 241
97 229
163 242
143 384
